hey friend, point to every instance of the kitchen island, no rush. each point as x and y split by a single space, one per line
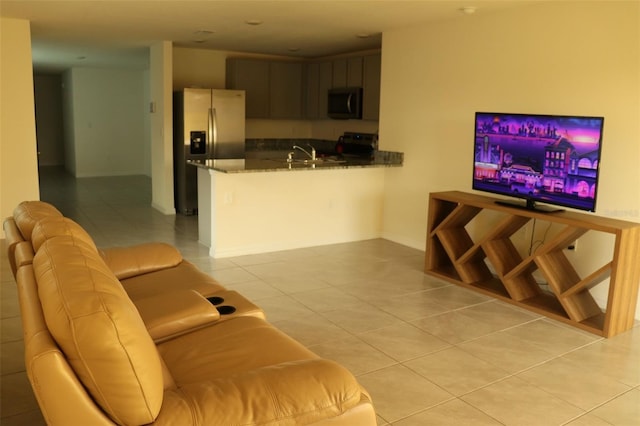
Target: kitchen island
264 203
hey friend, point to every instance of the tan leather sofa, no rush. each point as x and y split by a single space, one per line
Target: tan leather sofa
144 269
18 229
96 355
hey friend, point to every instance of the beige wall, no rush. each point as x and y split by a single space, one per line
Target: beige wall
18 156
161 127
577 58
107 135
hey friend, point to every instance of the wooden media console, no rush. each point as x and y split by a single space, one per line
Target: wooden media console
491 263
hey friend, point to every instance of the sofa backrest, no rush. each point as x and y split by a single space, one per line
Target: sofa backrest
61 397
57 226
28 213
99 330
18 228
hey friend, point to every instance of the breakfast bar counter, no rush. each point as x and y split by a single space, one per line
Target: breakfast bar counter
272 161
263 203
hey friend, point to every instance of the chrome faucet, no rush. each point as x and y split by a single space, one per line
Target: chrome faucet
311 155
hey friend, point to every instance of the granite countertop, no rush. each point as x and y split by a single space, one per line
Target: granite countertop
276 160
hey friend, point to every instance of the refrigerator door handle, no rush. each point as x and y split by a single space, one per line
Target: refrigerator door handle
210 133
215 129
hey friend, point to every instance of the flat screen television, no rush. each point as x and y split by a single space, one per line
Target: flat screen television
551 159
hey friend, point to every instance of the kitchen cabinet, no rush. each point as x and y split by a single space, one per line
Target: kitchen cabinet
339 73
311 91
273 88
296 90
371 87
324 84
318 81
347 72
360 71
354 71
252 76
285 89
491 264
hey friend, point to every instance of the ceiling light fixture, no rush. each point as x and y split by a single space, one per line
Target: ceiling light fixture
468 10
202 36
363 35
253 22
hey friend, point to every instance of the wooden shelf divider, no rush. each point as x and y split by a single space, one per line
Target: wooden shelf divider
491 264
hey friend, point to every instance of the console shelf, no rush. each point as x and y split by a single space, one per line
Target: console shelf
491 264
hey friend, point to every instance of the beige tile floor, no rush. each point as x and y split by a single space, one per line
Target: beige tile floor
428 352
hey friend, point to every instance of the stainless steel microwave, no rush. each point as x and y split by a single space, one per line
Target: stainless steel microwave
345 103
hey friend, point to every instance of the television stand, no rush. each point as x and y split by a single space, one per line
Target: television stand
529 205
491 264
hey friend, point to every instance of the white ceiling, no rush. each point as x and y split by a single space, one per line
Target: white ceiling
104 32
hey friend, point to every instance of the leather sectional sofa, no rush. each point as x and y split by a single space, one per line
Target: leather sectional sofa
138 335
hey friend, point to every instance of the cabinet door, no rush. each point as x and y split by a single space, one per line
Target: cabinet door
371 87
339 73
252 76
285 90
354 71
324 84
347 72
311 91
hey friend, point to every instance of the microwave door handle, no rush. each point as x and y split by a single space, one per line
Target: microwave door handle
349 102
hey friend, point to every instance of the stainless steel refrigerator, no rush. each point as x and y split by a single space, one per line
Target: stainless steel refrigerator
207 123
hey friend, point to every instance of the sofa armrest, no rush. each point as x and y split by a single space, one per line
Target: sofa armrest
127 262
13 236
291 393
173 313
23 254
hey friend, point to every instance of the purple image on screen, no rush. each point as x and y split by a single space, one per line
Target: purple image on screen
546 158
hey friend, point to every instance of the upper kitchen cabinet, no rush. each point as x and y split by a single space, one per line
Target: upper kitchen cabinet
360 71
296 90
318 81
286 87
371 87
347 72
273 89
252 76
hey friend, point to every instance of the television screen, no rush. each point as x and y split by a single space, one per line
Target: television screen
551 159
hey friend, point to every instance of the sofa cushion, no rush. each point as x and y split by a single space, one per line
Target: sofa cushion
56 226
127 262
293 393
181 277
28 213
246 371
227 348
99 330
124 262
